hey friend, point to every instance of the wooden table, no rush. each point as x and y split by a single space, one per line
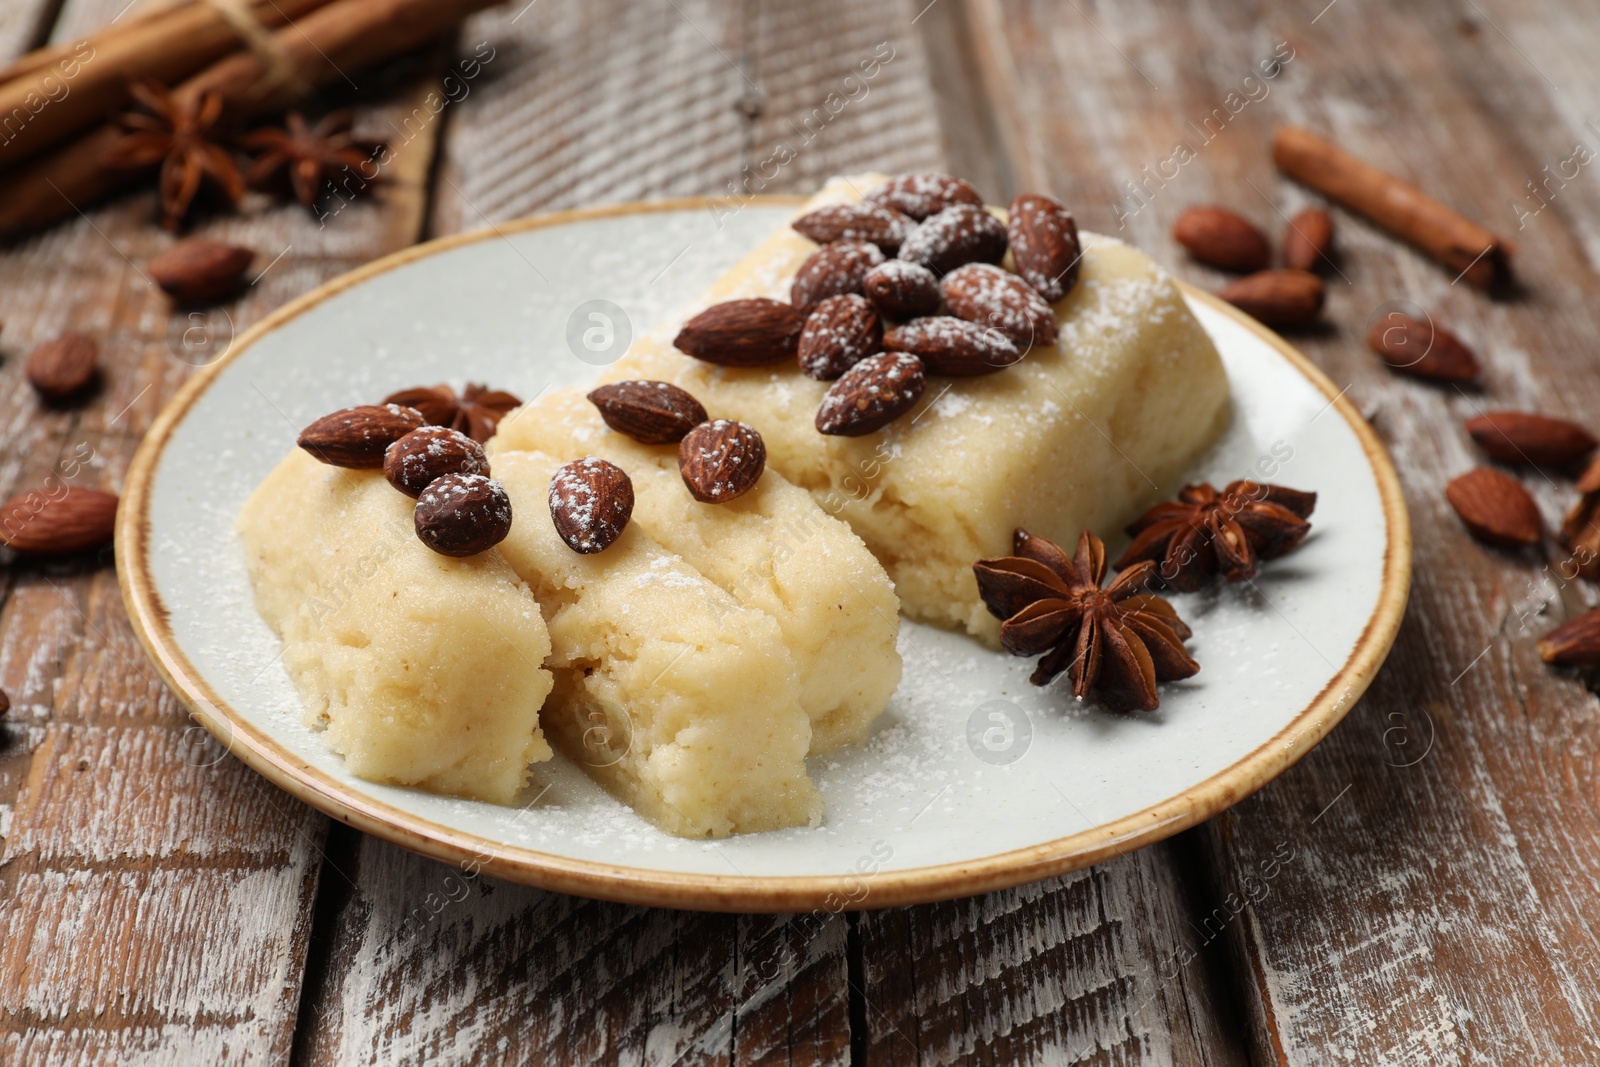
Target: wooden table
1434 895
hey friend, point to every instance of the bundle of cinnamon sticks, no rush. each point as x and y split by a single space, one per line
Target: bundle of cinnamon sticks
58 106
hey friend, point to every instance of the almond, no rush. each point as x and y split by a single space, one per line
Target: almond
1044 244
1422 349
842 332
1277 298
982 293
656 413
1575 643
1221 238
591 502
1580 527
1523 437
743 333
1308 240
953 347
55 523
1495 507
721 460
462 514
956 236
63 366
430 452
831 271
359 436
872 394
902 290
923 193
198 270
868 222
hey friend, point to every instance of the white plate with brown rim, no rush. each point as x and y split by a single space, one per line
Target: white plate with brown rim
972 780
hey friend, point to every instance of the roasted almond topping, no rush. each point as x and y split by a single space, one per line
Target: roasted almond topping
743 333
872 394
56 523
1223 239
1204 532
832 270
955 236
842 332
1523 437
1044 244
868 222
952 347
923 193
198 270
1575 643
1308 240
721 460
414 461
656 413
982 293
1277 298
64 366
1422 349
359 436
901 290
1495 507
462 514
591 502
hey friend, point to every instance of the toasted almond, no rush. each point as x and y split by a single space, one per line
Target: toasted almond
868 222
1580 533
462 514
956 236
983 293
743 333
591 501
721 460
952 347
920 194
1575 643
871 394
63 366
1277 298
1044 244
901 290
428 453
1222 238
1422 349
656 413
842 332
358 437
1523 437
1308 240
832 270
1495 507
59 522
198 270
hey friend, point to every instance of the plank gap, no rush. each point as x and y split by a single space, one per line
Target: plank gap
856 976
335 889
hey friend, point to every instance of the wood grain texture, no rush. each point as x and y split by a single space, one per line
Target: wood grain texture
156 897
1438 901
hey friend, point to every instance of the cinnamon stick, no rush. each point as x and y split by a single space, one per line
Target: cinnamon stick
1465 248
330 44
51 94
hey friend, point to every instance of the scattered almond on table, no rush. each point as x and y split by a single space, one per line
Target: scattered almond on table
64 366
1495 508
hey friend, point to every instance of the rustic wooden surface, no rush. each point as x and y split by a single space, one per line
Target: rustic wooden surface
1434 885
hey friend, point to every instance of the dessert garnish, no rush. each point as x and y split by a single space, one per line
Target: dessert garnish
874 223
923 193
1495 508
462 514
1422 349
476 412
871 394
1223 239
985 294
181 134
1523 437
1119 641
1044 244
721 460
956 236
358 437
831 270
953 347
412 463
743 333
591 501
841 332
654 413
312 155
1204 532
902 290
1277 298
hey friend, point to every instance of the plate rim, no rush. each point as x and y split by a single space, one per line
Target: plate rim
151 624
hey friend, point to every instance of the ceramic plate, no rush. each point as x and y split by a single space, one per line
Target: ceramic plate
972 779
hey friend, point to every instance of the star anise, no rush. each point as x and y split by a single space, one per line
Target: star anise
181 134
313 155
1119 641
1204 532
476 412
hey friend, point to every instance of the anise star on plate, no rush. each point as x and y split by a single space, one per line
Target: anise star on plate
313 155
181 134
476 412
1204 532
1118 641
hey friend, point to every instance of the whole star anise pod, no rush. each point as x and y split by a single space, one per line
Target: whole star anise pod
313 155
1119 641
181 134
476 412
1204 532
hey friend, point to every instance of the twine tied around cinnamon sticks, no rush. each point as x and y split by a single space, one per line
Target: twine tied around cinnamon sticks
259 39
